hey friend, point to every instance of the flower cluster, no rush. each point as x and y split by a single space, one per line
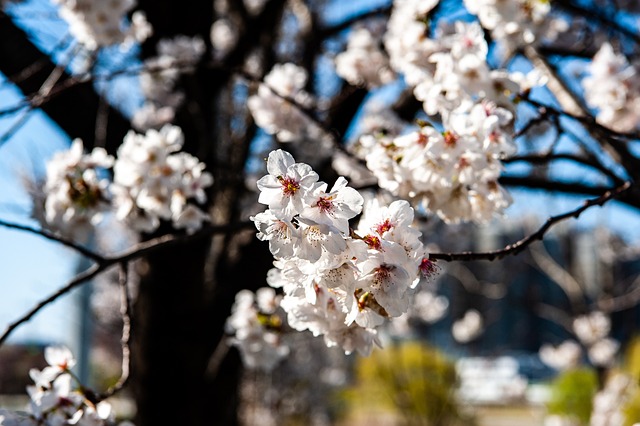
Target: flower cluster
609 403
564 356
175 56
76 190
407 41
55 401
613 88
467 328
453 172
592 331
338 283
518 22
272 106
364 63
96 23
152 182
256 325
458 74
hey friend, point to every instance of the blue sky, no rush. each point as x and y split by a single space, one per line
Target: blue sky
31 266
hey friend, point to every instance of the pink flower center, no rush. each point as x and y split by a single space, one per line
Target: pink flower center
463 162
383 272
450 138
384 227
373 242
289 186
428 268
325 205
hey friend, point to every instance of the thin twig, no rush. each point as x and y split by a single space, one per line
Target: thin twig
135 252
50 236
45 90
555 315
588 120
547 158
520 245
597 15
552 269
218 355
125 311
622 302
89 273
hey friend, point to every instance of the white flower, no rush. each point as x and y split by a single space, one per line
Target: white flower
363 62
277 106
468 327
515 22
388 283
76 194
336 207
602 353
592 327
287 188
429 307
256 332
154 182
315 239
95 23
176 56
183 50
224 36
561 357
613 89
279 233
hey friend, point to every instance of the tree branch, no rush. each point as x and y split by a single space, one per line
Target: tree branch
50 236
597 15
135 252
520 245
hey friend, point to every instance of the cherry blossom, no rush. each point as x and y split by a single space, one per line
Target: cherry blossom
612 87
337 282
272 106
155 182
54 400
591 327
76 190
288 187
158 82
96 23
255 326
468 327
364 62
564 356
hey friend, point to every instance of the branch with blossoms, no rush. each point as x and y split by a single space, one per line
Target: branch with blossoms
57 397
520 245
105 262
